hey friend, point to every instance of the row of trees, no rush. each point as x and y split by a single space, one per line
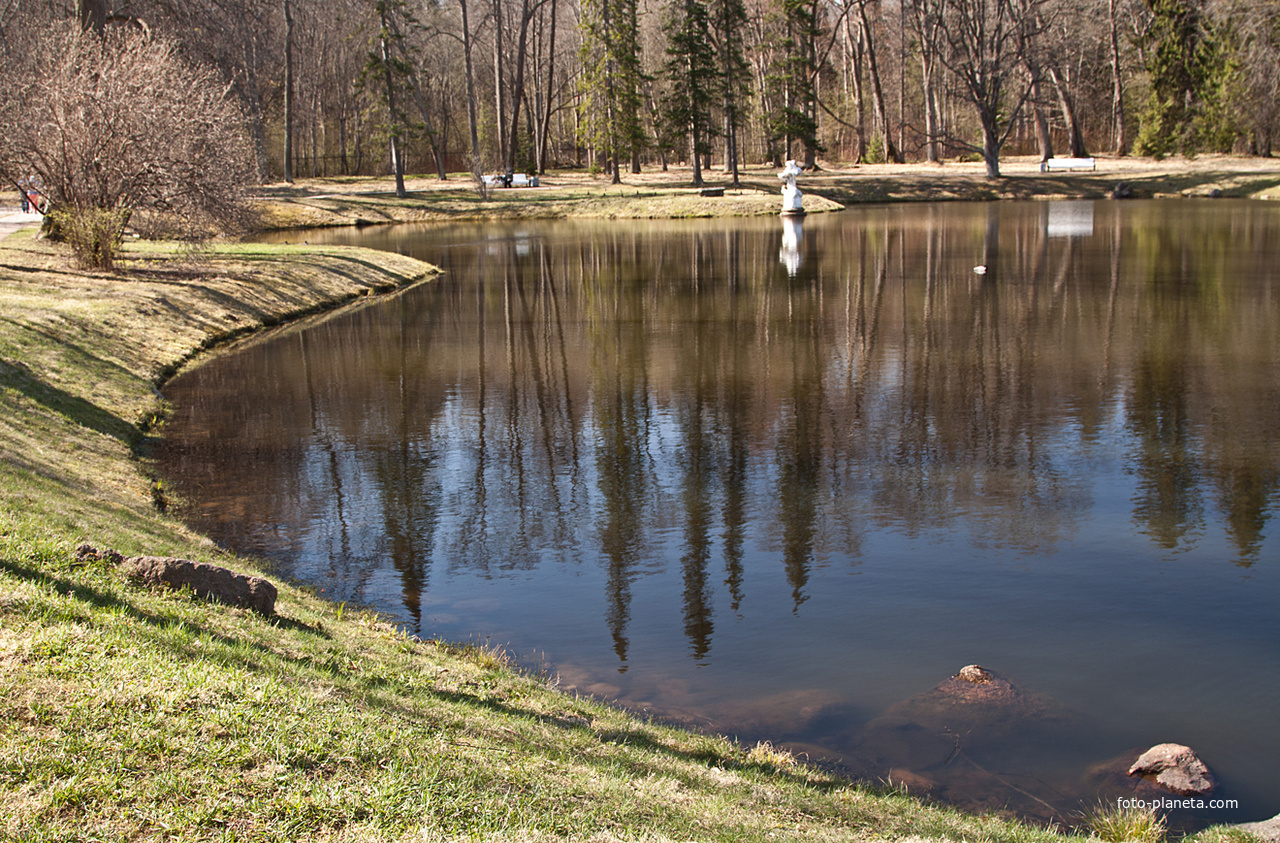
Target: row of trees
328 86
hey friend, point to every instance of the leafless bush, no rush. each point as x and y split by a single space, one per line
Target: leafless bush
122 123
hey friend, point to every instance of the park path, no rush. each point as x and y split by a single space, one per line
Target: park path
12 219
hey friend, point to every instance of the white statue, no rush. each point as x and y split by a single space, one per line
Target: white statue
791 195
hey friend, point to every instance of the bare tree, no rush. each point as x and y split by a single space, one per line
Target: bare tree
925 18
982 39
120 123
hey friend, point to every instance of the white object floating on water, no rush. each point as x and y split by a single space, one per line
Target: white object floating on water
980 270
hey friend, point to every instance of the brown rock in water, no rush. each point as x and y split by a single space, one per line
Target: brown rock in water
973 673
1174 767
205 580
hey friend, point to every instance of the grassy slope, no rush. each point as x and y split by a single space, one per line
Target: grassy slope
130 714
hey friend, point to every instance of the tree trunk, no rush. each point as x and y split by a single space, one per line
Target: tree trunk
397 159
695 139
859 98
891 152
1043 139
991 144
472 117
499 81
517 92
545 116
1117 85
288 91
1075 139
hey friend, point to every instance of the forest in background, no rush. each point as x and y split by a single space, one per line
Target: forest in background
326 87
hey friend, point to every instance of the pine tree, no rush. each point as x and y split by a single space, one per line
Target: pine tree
610 103
729 25
1186 111
692 78
792 77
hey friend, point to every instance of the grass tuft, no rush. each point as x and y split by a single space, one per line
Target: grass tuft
766 754
1116 823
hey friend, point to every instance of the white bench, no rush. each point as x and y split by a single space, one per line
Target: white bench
1067 164
517 180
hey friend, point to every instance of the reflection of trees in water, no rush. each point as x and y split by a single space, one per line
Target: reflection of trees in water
508 414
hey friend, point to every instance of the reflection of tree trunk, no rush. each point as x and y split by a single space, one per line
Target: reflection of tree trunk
991 243
698 626
513 395
1167 500
545 420
323 436
801 461
1117 241
481 508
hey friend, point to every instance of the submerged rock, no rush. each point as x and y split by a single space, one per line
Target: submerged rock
1175 768
975 708
1110 778
911 781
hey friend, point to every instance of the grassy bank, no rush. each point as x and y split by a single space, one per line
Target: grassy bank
350 201
133 714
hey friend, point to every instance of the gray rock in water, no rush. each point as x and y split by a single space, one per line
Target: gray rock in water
205 580
1174 767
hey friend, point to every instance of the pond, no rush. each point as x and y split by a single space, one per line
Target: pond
779 479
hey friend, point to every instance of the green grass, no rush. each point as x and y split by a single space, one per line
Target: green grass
1116 824
129 714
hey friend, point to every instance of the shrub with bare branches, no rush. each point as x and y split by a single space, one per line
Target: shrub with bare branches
119 125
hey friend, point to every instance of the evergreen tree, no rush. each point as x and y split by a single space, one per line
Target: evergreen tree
1186 111
729 26
692 78
792 77
610 104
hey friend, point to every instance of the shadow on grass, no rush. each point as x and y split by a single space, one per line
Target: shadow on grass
104 600
17 376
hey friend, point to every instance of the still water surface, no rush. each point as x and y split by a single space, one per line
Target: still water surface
780 483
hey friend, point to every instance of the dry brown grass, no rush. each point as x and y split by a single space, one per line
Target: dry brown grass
670 194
